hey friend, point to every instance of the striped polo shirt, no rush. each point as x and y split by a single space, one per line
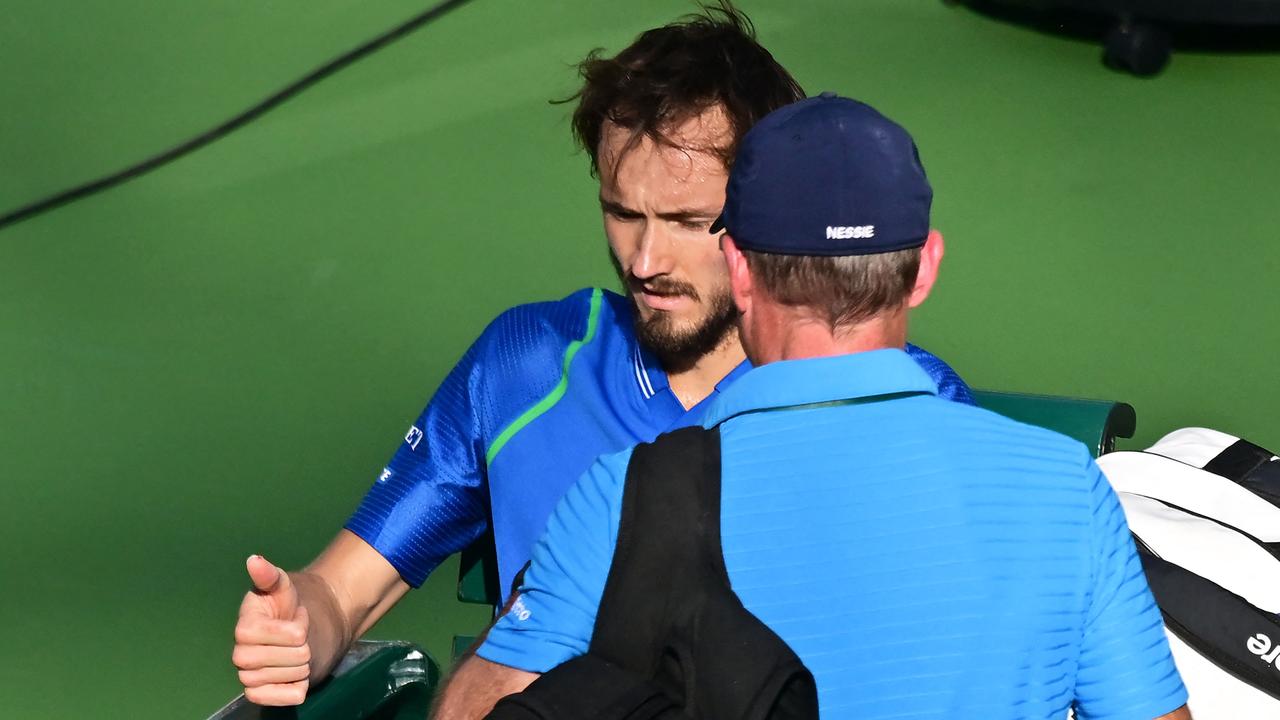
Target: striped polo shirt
924 558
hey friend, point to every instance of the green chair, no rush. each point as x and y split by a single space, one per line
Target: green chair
375 681
477 584
1096 423
396 680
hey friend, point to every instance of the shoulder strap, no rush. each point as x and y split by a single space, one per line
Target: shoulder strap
668 611
670 510
671 639
666 493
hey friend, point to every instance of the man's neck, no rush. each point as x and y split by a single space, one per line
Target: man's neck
796 338
692 385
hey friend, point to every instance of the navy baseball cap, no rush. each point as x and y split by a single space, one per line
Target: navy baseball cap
827 176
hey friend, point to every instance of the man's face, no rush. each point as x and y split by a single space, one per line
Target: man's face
658 203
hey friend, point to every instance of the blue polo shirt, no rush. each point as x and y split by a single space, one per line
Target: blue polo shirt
925 559
545 390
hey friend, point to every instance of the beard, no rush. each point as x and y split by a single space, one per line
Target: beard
680 347
678 344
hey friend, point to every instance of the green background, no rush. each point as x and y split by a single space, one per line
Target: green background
216 359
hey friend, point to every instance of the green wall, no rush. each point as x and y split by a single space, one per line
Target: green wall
216 359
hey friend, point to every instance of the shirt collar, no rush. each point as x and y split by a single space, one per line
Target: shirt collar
787 383
734 376
649 375
652 379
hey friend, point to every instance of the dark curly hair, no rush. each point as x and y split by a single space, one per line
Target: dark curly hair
676 72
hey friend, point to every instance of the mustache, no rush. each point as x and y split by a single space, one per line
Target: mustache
662 286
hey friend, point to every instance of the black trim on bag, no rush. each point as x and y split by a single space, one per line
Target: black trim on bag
1272 549
1251 467
1215 622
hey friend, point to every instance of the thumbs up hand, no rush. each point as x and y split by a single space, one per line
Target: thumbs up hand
271 651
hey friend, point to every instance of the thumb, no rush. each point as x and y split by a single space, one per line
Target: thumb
273 582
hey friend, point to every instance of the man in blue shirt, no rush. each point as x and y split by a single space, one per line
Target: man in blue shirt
923 558
549 387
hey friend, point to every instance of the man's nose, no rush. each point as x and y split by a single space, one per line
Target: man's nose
655 256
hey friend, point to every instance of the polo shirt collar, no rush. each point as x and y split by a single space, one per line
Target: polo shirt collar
652 379
734 376
787 383
648 373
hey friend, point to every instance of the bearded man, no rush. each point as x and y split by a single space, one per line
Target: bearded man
550 386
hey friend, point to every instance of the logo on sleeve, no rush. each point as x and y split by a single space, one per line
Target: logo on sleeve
385 476
413 437
519 610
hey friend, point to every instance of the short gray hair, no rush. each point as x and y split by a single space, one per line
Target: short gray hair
840 291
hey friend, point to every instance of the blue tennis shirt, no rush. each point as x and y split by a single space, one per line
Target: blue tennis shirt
545 390
925 559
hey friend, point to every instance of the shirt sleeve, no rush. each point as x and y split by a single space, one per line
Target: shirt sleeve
950 385
431 500
1126 671
554 614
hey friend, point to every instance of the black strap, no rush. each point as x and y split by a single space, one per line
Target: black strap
672 641
668 611
1222 626
669 524
587 688
1251 467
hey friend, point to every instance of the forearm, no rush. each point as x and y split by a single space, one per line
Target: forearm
330 632
476 686
346 591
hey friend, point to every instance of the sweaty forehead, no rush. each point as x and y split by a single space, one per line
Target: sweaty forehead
688 161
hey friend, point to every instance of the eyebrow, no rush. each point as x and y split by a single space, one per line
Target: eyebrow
679 215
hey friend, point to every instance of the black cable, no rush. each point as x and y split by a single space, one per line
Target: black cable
235 123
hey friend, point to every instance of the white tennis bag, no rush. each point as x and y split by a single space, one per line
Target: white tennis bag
1204 508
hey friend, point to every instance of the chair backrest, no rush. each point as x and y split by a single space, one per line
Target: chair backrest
1096 423
375 681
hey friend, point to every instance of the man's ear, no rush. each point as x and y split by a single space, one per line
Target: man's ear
930 260
740 284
